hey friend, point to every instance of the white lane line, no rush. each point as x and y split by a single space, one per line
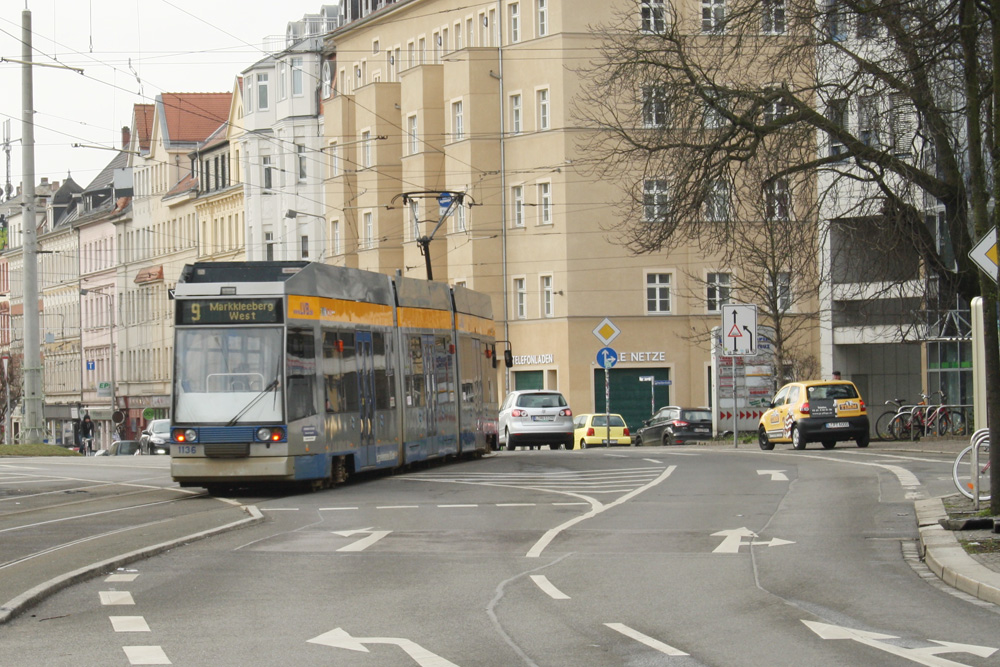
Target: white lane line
279 509
121 578
570 503
543 582
146 655
129 624
515 504
397 507
116 598
654 461
336 509
551 534
648 641
469 505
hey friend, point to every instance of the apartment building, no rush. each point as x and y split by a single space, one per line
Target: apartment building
431 96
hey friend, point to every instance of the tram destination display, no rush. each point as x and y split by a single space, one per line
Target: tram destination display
229 311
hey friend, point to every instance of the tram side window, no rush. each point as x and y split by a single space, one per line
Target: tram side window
415 390
382 351
340 376
301 374
468 366
443 378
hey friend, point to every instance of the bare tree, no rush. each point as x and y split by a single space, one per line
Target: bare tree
11 386
879 111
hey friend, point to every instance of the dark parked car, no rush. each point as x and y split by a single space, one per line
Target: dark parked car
675 425
122 448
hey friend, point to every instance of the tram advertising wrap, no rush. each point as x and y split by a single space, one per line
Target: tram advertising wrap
304 372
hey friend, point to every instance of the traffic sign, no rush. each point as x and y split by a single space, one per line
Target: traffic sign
739 329
985 254
606 331
663 383
607 357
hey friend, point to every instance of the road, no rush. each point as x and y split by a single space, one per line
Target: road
632 556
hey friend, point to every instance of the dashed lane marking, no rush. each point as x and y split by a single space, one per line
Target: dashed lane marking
645 639
129 624
116 598
543 582
146 655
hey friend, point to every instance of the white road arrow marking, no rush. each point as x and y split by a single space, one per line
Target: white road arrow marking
543 582
734 539
339 638
776 475
648 641
774 542
362 544
924 656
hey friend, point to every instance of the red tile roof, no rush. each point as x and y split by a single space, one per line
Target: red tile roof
194 116
142 117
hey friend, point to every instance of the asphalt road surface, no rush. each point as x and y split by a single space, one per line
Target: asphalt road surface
632 556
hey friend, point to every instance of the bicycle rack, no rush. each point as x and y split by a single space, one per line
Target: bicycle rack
980 436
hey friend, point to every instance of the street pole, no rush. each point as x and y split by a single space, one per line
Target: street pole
32 368
6 415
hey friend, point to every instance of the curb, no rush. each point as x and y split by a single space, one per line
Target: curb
947 559
31 597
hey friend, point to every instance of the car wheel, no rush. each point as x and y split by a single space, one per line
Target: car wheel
829 444
667 435
583 444
637 441
762 439
798 442
510 441
863 440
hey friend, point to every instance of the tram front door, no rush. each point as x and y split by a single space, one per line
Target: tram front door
366 397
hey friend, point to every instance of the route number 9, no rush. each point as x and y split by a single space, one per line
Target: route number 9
195 312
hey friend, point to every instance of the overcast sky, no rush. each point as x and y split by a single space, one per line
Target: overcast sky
130 52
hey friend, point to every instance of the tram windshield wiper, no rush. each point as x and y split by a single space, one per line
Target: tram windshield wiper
269 388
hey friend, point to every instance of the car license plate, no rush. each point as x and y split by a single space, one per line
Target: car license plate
837 425
542 418
701 430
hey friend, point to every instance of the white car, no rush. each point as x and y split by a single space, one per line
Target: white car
535 417
155 438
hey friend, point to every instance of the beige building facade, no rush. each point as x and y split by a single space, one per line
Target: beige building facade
430 96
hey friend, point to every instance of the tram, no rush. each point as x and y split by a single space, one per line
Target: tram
305 372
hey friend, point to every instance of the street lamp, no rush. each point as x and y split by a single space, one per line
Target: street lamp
111 342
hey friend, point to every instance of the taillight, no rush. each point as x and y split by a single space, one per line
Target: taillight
518 413
566 413
626 431
590 432
678 422
804 409
863 408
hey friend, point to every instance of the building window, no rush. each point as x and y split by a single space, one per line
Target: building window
654 106
335 236
774 106
305 247
366 149
543 18
458 37
776 199
545 203
369 226
717 202
520 299
781 291
460 220
546 288
302 163
515 114
543 109
248 102
514 13
868 120
415 217
334 160
836 113
772 19
654 200
654 16
718 287
657 293
835 21
457 129
282 80
297 76
262 103
265 161
714 115
411 134
517 202
269 246
713 16
902 124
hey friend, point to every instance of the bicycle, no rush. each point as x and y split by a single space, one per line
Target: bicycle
882 423
948 421
968 475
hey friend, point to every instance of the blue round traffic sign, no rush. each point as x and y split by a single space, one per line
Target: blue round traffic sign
607 357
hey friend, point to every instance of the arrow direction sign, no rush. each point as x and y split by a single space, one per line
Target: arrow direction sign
776 475
734 540
362 544
923 656
339 638
739 329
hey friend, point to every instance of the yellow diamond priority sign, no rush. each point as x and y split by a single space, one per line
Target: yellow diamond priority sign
606 331
985 254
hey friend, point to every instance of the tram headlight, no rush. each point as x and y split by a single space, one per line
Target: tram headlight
270 434
191 435
179 435
263 434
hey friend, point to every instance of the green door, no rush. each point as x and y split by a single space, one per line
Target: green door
631 398
529 380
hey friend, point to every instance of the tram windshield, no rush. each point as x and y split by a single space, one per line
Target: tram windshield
219 372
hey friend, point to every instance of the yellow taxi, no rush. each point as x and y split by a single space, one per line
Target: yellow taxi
825 411
591 430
